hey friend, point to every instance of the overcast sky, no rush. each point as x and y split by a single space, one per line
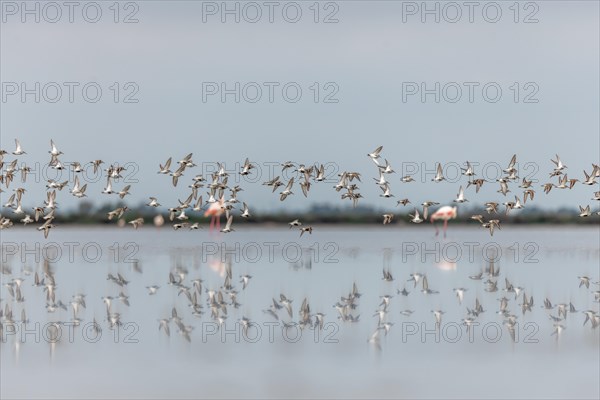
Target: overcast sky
372 62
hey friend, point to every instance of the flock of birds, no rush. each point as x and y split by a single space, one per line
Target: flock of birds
222 198
221 302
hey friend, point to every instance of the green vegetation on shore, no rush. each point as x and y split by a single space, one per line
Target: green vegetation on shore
87 213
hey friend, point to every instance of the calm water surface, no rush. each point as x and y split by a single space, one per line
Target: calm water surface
414 360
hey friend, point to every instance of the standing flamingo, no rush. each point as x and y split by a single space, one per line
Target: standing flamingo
215 210
445 213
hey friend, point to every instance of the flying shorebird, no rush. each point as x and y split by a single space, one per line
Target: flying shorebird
469 170
585 212
404 202
415 218
124 192
245 212
137 222
416 277
511 165
559 165
460 293
387 218
108 188
589 179
288 190
439 176
153 202
460 197
18 151
375 154
308 229
425 288
228 227
46 227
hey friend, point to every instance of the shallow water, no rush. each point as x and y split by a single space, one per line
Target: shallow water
414 360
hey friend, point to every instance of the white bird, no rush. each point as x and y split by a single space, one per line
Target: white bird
153 202
559 165
108 188
415 218
54 151
460 198
439 176
18 151
288 190
245 212
228 227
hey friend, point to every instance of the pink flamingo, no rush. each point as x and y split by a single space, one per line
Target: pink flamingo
215 210
445 213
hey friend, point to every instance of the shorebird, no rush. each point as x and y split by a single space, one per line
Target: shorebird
439 176
438 317
511 165
416 277
404 202
245 211
477 182
381 181
108 188
460 293
288 190
386 191
426 205
54 151
387 275
228 227
491 225
46 227
584 281
153 202
245 279
589 179
415 218
460 197
387 168
308 229
387 218
152 289
425 288
585 212
118 212
375 154
124 192
503 187
469 170
18 151
559 165
137 222
246 168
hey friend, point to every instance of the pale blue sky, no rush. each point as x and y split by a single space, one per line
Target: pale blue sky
368 54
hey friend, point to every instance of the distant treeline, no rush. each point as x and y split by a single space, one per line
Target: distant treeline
87 213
